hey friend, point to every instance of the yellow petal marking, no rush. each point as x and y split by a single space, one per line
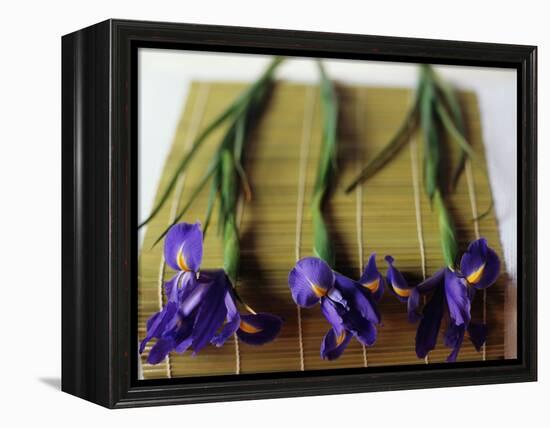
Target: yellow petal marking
475 276
340 338
181 261
401 292
373 285
319 291
249 328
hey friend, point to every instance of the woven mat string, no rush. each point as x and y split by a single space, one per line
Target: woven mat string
309 110
359 202
240 211
359 228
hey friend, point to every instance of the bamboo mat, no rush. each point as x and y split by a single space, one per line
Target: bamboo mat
389 214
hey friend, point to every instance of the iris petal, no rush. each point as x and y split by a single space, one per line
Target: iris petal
171 288
333 344
478 334
363 329
474 258
453 339
480 264
332 315
193 295
424 287
413 303
433 281
160 350
372 279
397 282
178 285
159 323
310 280
428 329
458 302
183 247
183 334
358 298
258 329
490 272
233 321
212 311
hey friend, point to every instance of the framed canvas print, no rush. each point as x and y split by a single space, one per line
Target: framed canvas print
253 213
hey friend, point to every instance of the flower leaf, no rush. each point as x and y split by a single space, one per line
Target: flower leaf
182 166
208 174
402 136
327 160
448 96
214 189
236 109
450 127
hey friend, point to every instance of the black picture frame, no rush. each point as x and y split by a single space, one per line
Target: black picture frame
99 238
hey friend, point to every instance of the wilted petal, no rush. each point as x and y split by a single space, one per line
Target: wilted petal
212 311
159 323
310 280
428 329
478 334
458 302
397 282
333 344
453 339
258 329
372 279
232 322
480 264
183 247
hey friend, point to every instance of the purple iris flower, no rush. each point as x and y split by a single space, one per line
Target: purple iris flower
348 305
454 291
183 253
201 308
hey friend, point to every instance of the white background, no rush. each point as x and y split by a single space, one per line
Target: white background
30 216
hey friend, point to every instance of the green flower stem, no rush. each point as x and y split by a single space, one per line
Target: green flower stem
229 194
447 233
231 172
322 246
432 165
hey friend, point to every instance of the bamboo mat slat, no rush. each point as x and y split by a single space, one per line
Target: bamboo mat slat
378 217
